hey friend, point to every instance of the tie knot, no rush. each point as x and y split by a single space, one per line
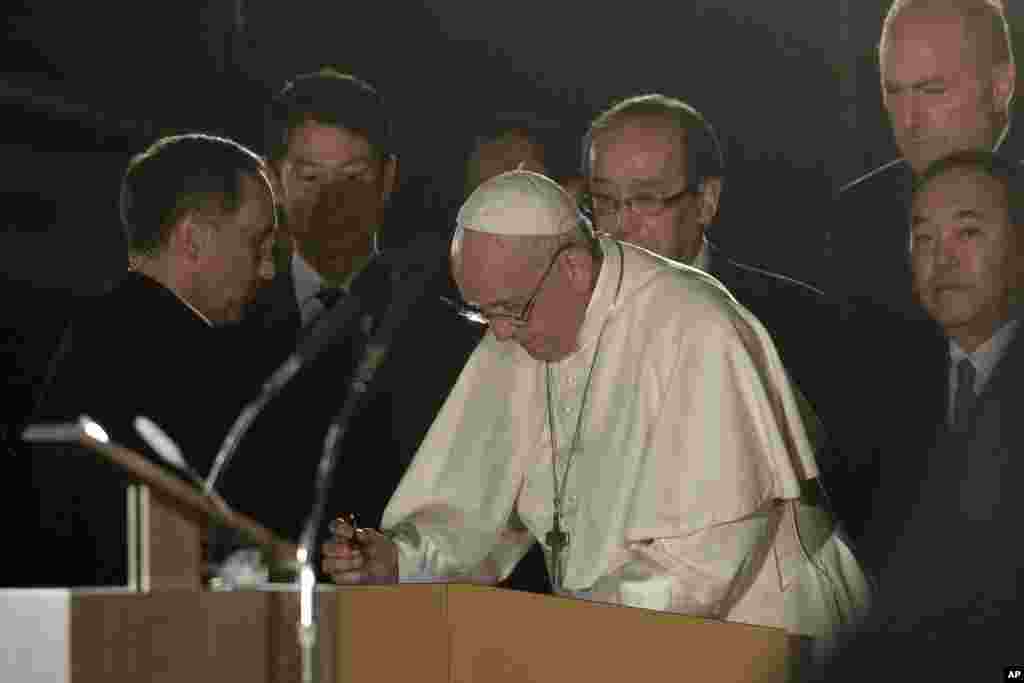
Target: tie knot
328 296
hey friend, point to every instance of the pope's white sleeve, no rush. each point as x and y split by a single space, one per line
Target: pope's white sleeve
434 554
700 574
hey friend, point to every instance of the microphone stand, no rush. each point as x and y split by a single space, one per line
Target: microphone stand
320 336
416 279
325 473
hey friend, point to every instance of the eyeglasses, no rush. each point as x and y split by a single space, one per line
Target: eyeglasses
479 316
645 205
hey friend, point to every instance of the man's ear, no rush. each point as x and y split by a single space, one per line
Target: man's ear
709 193
190 238
389 177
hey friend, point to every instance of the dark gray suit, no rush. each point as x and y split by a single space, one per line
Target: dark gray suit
950 605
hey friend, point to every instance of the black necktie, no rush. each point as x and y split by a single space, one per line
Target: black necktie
963 402
328 296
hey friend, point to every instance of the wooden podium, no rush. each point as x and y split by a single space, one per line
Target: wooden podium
172 628
459 633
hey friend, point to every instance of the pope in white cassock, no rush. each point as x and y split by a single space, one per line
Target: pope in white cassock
626 411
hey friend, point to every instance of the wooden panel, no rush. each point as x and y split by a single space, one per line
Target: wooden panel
172 555
284 657
193 636
392 633
505 636
168 636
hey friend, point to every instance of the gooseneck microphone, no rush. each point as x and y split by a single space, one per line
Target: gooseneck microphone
326 330
417 266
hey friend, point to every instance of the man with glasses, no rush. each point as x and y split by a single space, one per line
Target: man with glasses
655 173
628 414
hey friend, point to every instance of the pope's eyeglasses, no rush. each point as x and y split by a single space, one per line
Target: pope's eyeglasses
478 315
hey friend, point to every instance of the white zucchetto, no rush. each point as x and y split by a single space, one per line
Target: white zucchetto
519 203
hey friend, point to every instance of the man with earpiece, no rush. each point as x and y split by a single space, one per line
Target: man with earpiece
199 221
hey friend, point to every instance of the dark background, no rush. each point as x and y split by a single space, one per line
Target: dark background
791 86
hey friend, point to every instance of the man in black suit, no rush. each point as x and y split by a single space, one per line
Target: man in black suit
947 517
330 142
947 73
655 172
198 215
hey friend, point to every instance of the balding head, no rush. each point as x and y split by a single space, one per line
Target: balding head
947 76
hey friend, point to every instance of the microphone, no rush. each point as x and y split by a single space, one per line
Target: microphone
326 330
417 268
168 451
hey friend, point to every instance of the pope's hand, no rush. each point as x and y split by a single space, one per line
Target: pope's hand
359 555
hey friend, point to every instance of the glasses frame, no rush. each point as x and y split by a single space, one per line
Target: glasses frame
664 202
477 315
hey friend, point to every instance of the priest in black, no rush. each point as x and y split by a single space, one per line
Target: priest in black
198 215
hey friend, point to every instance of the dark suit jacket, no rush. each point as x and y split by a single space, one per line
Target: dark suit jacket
804 326
797 316
895 375
273 474
949 605
868 240
135 351
876 379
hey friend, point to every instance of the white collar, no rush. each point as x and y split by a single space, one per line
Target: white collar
178 296
307 281
194 309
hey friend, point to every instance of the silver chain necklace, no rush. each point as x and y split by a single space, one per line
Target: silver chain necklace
556 538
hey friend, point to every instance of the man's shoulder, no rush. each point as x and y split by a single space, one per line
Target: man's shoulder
1007 374
136 301
893 176
751 283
